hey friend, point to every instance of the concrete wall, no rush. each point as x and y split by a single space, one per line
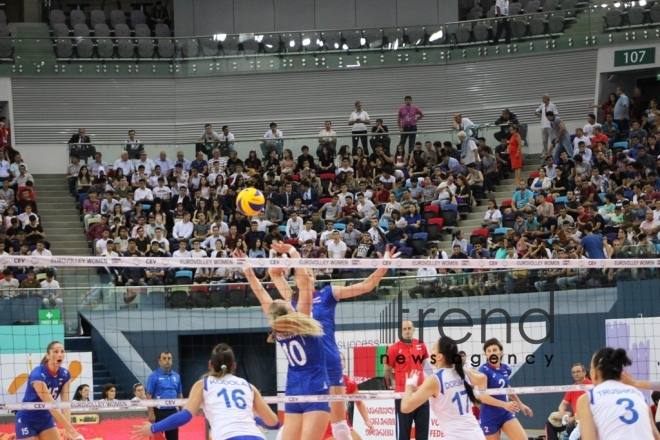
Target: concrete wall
207 17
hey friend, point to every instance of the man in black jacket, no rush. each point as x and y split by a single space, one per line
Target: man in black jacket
507 118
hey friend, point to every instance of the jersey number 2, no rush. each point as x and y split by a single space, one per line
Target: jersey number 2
236 397
629 404
457 398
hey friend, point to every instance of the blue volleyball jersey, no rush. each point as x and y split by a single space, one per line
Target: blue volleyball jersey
497 378
306 373
324 305
54 383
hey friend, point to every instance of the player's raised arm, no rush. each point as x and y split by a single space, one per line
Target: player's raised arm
264 298
302 278
369 284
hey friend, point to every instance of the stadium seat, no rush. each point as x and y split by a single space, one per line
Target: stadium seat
324 200
353 39
117 17
237 295
77 17
394 37
515 8
218 295
462 34
64 48
374 38
481 32
311 41
163 30
60 30
613 19
3 17
291 42
283 229
506 202
101 30
340 226
84 48
137 17
332 41
105 48
209 47
430 211
271 43
122 30
190 48
415 36
654 13
405 252
96 17
199 296
145 47
57 17
449 215
508 222
518 27
165 48
230 45
178 299
556 23
251 298
418 243
434 229
184 275
479 235
142 30
6 48
532 7
125 49
636 16
250 46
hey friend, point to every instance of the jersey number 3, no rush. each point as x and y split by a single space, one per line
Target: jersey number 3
634 416
236 397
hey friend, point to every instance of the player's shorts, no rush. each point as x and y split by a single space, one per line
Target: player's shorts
33 428
336 378
302 408
492 423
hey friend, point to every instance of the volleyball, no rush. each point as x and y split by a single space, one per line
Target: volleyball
250 201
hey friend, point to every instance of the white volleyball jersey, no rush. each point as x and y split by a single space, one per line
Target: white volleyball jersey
620 412
228 407
453 408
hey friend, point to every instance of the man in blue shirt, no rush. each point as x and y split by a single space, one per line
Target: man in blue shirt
522 198
592 244
164 384
622 110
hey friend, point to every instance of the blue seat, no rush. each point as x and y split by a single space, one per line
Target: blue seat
283 229
620 145
469 248
340 226
418 243
184 274
501 231
383 224
406 252
602 196
561 199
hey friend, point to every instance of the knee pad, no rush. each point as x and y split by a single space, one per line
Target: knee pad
341 431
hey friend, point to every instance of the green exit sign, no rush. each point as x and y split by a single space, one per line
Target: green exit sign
634 57
49 317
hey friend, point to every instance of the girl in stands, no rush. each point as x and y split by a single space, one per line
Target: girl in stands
46 383
229 403
497 412
450 391
299 337
325 304
81 394
612 409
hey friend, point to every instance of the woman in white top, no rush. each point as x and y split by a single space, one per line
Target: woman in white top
492 217
229 403
139 392
541 183
613 410
450 391
390 206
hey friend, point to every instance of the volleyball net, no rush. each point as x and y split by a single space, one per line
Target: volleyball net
548 315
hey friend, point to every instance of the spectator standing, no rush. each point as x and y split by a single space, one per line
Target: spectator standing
359 120
207 141
379 135
133 146
515 150
503 24
407 119
72 174
5 140
328 139
414 355
546 125
621 112
226 140
164 383
562 138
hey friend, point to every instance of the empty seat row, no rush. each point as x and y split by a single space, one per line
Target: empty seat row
77 16
536 25
107 48
102 30
533 6
634 16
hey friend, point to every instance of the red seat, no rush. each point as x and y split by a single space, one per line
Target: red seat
482 231
295 177
549 199
291 241
434 208
325 200
506 202
437 221
326 176
534 175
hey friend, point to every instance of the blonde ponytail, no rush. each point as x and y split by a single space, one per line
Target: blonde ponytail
294 323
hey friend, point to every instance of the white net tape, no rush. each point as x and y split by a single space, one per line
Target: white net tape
127 404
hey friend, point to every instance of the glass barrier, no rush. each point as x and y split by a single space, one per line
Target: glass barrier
112 151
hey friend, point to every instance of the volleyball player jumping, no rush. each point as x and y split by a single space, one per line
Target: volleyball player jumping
497 412
324 306
613 410
46 383
229 403
299 337
450 392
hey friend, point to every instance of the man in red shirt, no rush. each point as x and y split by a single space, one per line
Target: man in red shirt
403 357
551 429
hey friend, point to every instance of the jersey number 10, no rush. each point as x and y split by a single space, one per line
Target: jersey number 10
236 398
457 398
295 353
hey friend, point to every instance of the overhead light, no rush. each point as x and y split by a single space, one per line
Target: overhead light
642 2
363 41
292 43
220 37
436 36
616 5
306 42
